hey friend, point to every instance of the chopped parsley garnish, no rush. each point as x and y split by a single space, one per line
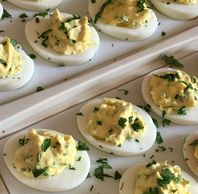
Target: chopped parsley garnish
171 61
155 122
23 16
39 88
165 121
152 191
93 1
46 144
42 14
151 163
37 172
181 111
122 122
99 122
39 156
79 114
5 14
117 175
99 172
96 109
159 139
23 141
195 142
98 15
3 62
166 177
124 91
170 76
32 56
82 146
136 126
163 33
14 43
140 5
130 119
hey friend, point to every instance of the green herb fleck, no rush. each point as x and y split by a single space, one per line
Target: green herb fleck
121 122
39 88
82 146
3 62
195 142
117 175
181 111
5 14
171 61
159 139
46 144
23 141
37 172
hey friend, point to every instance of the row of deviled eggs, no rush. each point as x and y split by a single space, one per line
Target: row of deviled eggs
45 159
70 39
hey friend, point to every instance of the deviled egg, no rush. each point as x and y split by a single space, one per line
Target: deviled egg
123 19
157 178
190 151
46 160
16 67
177 9
62 38
172 94
36 5
116 126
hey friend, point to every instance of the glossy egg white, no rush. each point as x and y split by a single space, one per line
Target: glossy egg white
64 181
176 10
143 32
1 10
23 77
189 119
127 182
188 152
31 32
129 147
40 5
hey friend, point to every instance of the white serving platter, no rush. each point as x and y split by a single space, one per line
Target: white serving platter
48 74
65 122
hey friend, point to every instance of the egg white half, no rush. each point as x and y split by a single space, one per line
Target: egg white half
129 147
175 10
20 79
64 181
1 10
189 119
188 152
143 32
31 32
41 5
127 182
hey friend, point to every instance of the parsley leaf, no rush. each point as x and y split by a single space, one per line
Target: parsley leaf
171 61
121 122
159 139
181 111
37 172
117 175
23 141
82 146
195 142
45 145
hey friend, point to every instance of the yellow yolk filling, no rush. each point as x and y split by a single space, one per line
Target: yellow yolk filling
125 13
114 121
160 178
10 59
69 36
46 152
173 91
